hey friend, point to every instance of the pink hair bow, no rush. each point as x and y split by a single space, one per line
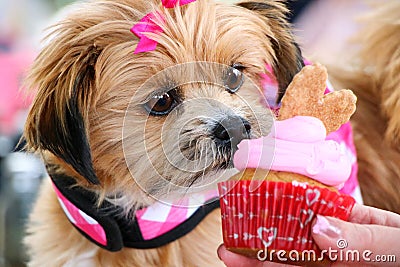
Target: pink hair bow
174 3
148 24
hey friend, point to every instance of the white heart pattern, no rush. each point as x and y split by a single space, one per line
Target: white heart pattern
270 234
312 196
309 218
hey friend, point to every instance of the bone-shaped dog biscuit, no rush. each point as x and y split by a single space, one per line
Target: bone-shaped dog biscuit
305 97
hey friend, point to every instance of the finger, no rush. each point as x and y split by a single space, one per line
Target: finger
235 260
369 215
357 244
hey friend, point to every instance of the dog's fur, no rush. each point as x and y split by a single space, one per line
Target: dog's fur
87 77
374 76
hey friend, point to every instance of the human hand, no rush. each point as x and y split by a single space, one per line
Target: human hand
370 233
235 260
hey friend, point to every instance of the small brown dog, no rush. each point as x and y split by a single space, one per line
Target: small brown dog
117 127
375 79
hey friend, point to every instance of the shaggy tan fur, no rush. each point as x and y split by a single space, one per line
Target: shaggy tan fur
375 79
91 89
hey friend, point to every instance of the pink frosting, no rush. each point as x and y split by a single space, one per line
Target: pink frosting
297 145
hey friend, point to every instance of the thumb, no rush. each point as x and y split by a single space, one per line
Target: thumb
357 244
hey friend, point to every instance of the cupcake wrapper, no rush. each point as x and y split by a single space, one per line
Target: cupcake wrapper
276 215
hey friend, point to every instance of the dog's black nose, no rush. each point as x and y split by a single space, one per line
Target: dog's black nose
231 130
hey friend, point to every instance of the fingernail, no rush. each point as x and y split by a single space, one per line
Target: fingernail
219 250
325 227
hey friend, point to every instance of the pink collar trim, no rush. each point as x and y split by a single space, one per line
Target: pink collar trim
160 217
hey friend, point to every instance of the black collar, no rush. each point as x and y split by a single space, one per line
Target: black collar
117 231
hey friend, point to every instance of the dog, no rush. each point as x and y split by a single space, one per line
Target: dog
120 131
374 78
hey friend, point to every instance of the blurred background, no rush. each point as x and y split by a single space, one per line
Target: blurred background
321 27
21 27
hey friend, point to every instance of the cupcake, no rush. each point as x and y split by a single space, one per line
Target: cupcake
267 208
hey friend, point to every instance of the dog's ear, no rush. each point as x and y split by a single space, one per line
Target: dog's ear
288 58
57 121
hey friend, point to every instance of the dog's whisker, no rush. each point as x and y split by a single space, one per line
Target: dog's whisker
201 158
204 169
198 151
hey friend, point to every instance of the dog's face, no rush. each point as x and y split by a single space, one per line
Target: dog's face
132 125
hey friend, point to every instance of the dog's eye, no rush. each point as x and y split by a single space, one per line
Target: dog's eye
233 79
160 104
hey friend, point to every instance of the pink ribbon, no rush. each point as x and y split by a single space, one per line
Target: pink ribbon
148 25
174 3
